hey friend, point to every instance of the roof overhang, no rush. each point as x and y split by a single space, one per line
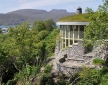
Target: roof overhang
72 23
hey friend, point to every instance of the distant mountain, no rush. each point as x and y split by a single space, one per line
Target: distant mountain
10 19
31 15
58 11
28 12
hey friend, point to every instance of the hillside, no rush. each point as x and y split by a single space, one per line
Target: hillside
31 15
8 19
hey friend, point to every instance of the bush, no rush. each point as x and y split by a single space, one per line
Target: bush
88 44
50 42
46 79
48 69
61 82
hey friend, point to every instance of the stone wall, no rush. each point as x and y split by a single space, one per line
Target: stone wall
75 55
76 51
67 70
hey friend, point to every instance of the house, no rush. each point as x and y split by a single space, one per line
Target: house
70 53
72 29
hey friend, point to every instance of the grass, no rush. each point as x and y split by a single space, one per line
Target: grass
76 18
98 61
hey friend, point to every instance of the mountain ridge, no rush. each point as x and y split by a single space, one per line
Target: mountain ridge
31 15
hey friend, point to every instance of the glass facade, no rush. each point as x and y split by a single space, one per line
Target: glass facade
81 34
71 34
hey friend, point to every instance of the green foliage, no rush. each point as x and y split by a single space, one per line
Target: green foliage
98 26
46 79
104 7
51 42
48 69
76 18
88 45
42 35
98 61
61 82
89 76
88 10
104 79
26 74
92 76
23 51
104 70
39 25
50 25
11 82
3 54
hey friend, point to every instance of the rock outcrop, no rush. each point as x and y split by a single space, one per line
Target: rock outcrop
72 59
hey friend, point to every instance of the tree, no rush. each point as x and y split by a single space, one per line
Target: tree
23 50
88 10
39 25
98 26
51 42
50 25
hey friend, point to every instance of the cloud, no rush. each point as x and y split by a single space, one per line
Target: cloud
42 3
37 4
22 1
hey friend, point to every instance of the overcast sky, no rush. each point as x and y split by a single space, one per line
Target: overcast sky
69 5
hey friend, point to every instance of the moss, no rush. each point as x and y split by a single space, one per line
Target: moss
76 18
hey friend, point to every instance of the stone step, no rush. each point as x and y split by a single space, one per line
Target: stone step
76 59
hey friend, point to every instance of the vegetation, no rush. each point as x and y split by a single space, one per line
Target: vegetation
89 10
23 51
75 18
98 26
46 78
98 61
97 30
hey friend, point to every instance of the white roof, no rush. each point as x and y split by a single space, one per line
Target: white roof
72 23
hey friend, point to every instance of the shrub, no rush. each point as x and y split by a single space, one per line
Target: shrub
48 69
46 79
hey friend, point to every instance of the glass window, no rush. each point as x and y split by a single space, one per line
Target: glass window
81 32
71 42
63 43
71 31
63 31
75 41
66 31
66 42
82 28
76 32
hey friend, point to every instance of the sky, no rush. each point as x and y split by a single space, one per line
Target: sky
70 5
